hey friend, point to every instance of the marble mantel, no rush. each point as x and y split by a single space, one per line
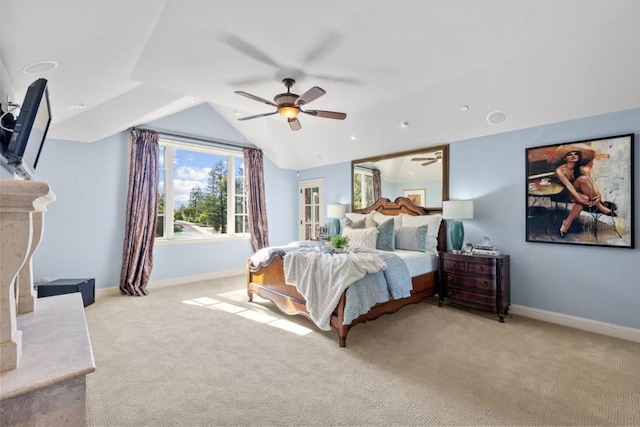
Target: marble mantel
22 206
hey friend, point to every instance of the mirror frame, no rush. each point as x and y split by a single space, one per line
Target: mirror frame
445 170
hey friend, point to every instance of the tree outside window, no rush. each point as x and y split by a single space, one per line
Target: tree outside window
201 192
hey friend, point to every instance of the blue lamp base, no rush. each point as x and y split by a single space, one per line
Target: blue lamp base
335 227
457 235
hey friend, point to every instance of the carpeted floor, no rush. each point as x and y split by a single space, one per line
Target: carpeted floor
201 355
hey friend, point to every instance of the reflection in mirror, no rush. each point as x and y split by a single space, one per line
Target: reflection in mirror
420 175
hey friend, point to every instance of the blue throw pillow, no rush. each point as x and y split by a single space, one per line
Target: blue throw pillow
386 240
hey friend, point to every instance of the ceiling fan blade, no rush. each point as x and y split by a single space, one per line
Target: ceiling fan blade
322 48
255 98
294 124
249 50
336 79
257 115
250 81
420 159
326 114
310 95
429 162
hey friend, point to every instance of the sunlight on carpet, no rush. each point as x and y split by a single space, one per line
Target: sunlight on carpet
251 314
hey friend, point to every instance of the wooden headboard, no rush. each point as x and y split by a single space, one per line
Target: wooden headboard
406 206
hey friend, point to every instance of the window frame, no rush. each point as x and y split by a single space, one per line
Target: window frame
170 145
363 187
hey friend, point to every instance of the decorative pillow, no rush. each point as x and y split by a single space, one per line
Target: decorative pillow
361 238
412 238
380 218
433 221
355 216
354 224
368 218
386 240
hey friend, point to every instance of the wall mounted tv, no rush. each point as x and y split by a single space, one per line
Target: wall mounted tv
30 131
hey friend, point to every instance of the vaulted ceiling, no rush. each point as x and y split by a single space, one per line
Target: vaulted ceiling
381 62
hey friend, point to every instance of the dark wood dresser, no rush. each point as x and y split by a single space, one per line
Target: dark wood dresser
479 281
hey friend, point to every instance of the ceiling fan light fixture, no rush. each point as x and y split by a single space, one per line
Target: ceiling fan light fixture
288 112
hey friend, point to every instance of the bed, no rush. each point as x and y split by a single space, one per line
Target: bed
266 276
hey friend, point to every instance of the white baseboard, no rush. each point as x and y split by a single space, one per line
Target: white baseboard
175 281
603 328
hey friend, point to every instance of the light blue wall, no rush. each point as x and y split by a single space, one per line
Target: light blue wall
84 227
589 282
584 281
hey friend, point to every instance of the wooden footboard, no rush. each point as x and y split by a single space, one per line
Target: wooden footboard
267 280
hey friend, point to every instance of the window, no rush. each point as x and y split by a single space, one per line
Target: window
362 188
201 192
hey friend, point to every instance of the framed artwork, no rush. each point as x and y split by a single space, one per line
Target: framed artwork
417 196
581 192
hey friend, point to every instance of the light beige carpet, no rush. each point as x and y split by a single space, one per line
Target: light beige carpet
201 355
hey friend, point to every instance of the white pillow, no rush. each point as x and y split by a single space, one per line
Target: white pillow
432 221
380 218
361 238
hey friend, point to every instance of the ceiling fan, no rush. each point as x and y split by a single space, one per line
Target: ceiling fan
437 158
288 105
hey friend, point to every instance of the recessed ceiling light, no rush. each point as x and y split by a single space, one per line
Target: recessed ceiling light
404 124
353 137
237 113
40 67
464 108
497 117
80 106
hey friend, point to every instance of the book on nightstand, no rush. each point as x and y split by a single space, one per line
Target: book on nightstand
480 251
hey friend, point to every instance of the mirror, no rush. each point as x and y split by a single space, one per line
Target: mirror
420 175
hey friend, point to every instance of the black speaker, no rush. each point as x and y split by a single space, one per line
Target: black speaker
87 287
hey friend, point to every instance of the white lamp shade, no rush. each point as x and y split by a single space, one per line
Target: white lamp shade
336 211
457 209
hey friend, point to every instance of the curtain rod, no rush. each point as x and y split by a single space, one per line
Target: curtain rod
195 138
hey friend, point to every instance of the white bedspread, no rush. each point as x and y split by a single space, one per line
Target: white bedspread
322 278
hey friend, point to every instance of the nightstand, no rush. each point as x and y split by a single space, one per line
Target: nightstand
479 281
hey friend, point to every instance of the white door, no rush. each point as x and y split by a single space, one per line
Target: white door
311 212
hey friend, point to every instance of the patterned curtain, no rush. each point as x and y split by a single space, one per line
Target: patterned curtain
254 170
140 228
377 185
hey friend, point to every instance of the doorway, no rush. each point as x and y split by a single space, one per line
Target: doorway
310 202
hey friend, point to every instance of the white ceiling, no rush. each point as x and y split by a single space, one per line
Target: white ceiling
381 62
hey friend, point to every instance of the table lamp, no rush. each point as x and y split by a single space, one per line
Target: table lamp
457 210
336 212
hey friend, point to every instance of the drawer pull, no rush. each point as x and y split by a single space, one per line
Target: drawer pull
484 284
454 265
449 293
449 278
485 299
480 268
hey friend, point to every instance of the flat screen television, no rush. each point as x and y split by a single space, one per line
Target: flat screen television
30 130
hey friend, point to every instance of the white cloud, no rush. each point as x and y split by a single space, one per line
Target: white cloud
186 178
